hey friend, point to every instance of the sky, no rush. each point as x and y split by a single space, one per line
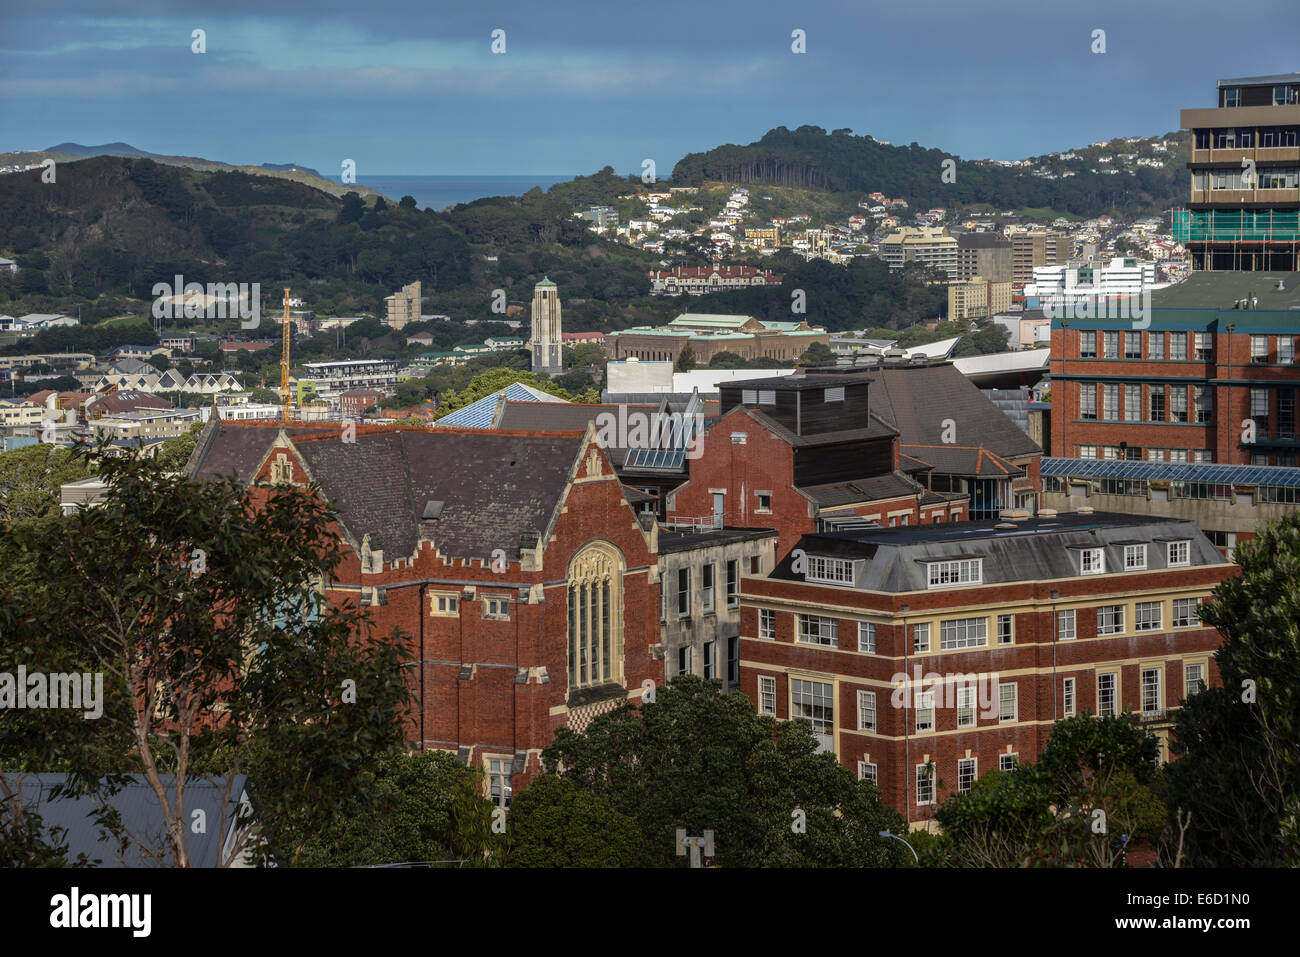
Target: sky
414 87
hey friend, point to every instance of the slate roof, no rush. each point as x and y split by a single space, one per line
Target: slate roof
558 416
141 817
876 488
129 400
878 429
684 540
1036 549
495 486
478 415
1014 404
917 400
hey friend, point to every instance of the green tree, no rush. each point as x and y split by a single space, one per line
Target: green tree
696 759
727 360
491 381
176 452
403 814
554 824
264 396
218 653
817 354
1239 767
30 479
686 358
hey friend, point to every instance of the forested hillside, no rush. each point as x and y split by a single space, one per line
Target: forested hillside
810 157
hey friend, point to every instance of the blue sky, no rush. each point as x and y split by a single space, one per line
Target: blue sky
413 87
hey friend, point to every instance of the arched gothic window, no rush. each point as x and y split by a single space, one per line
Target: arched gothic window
596 616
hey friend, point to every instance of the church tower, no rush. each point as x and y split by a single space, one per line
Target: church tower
546 340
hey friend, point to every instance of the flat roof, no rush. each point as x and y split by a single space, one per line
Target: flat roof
971 531
797 382
1250 80
672 540
1220 289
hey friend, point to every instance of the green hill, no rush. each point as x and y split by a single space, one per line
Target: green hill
811 158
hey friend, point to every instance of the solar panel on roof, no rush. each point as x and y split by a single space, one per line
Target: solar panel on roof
1210 473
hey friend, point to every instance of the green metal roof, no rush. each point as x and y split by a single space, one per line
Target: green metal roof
546 282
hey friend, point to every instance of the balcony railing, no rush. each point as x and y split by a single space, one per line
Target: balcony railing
705 523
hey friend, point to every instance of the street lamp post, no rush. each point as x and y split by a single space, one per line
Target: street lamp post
904 843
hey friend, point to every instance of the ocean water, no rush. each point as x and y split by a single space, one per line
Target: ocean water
438 192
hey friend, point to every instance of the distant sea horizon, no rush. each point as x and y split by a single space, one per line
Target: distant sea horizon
439 192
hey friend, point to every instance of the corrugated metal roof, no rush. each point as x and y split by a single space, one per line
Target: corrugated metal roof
1272 475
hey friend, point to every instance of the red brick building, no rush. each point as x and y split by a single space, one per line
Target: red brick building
511 558
1198 385
925 657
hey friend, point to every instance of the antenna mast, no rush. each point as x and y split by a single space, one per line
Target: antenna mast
284 362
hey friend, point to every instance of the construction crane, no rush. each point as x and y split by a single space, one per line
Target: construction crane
284 362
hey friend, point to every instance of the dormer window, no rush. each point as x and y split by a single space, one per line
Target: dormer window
963 571
830 571
1179 553
1092 561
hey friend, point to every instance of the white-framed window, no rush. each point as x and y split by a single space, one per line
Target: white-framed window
442 603
830 571
1259 349
1179 553
818 630
1008 762
835 394
1067 697
764 501
1147 615
1106 695
1092 561
1285 349
1185 613
867 771
867 637
1087 451
1110 401
963 571
965 706
1152 701
1087 401
766 694
498 609
1132 403
1110 619
924 785
498 780
1135 557
1008 701
1006 629
1178 346
766 623
866 711
920 637
813 701
733 583
965 774
1155 345
1193 679
925 711
706 587
1110 345
963 633
710 648
1065 624
683 592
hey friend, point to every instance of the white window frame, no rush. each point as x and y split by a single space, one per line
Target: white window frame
1008 762
1102 710
867 771
866 711
1148 623
1189 618
733 583
967 769
1092 561
867 637
963 633
961 571
1153 703
1135 557
826 636
820 725
924 712
920 638
1010 631
767 624
767 695
1069 698
1182 549
1188 689
1064 633
1004 698
1116 615
830 571
444 604
496 608
497 768
924 785
965 706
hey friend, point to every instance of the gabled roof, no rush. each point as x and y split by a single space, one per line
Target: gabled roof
502 485
859 491
964 461
478 415
919 401
559 416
